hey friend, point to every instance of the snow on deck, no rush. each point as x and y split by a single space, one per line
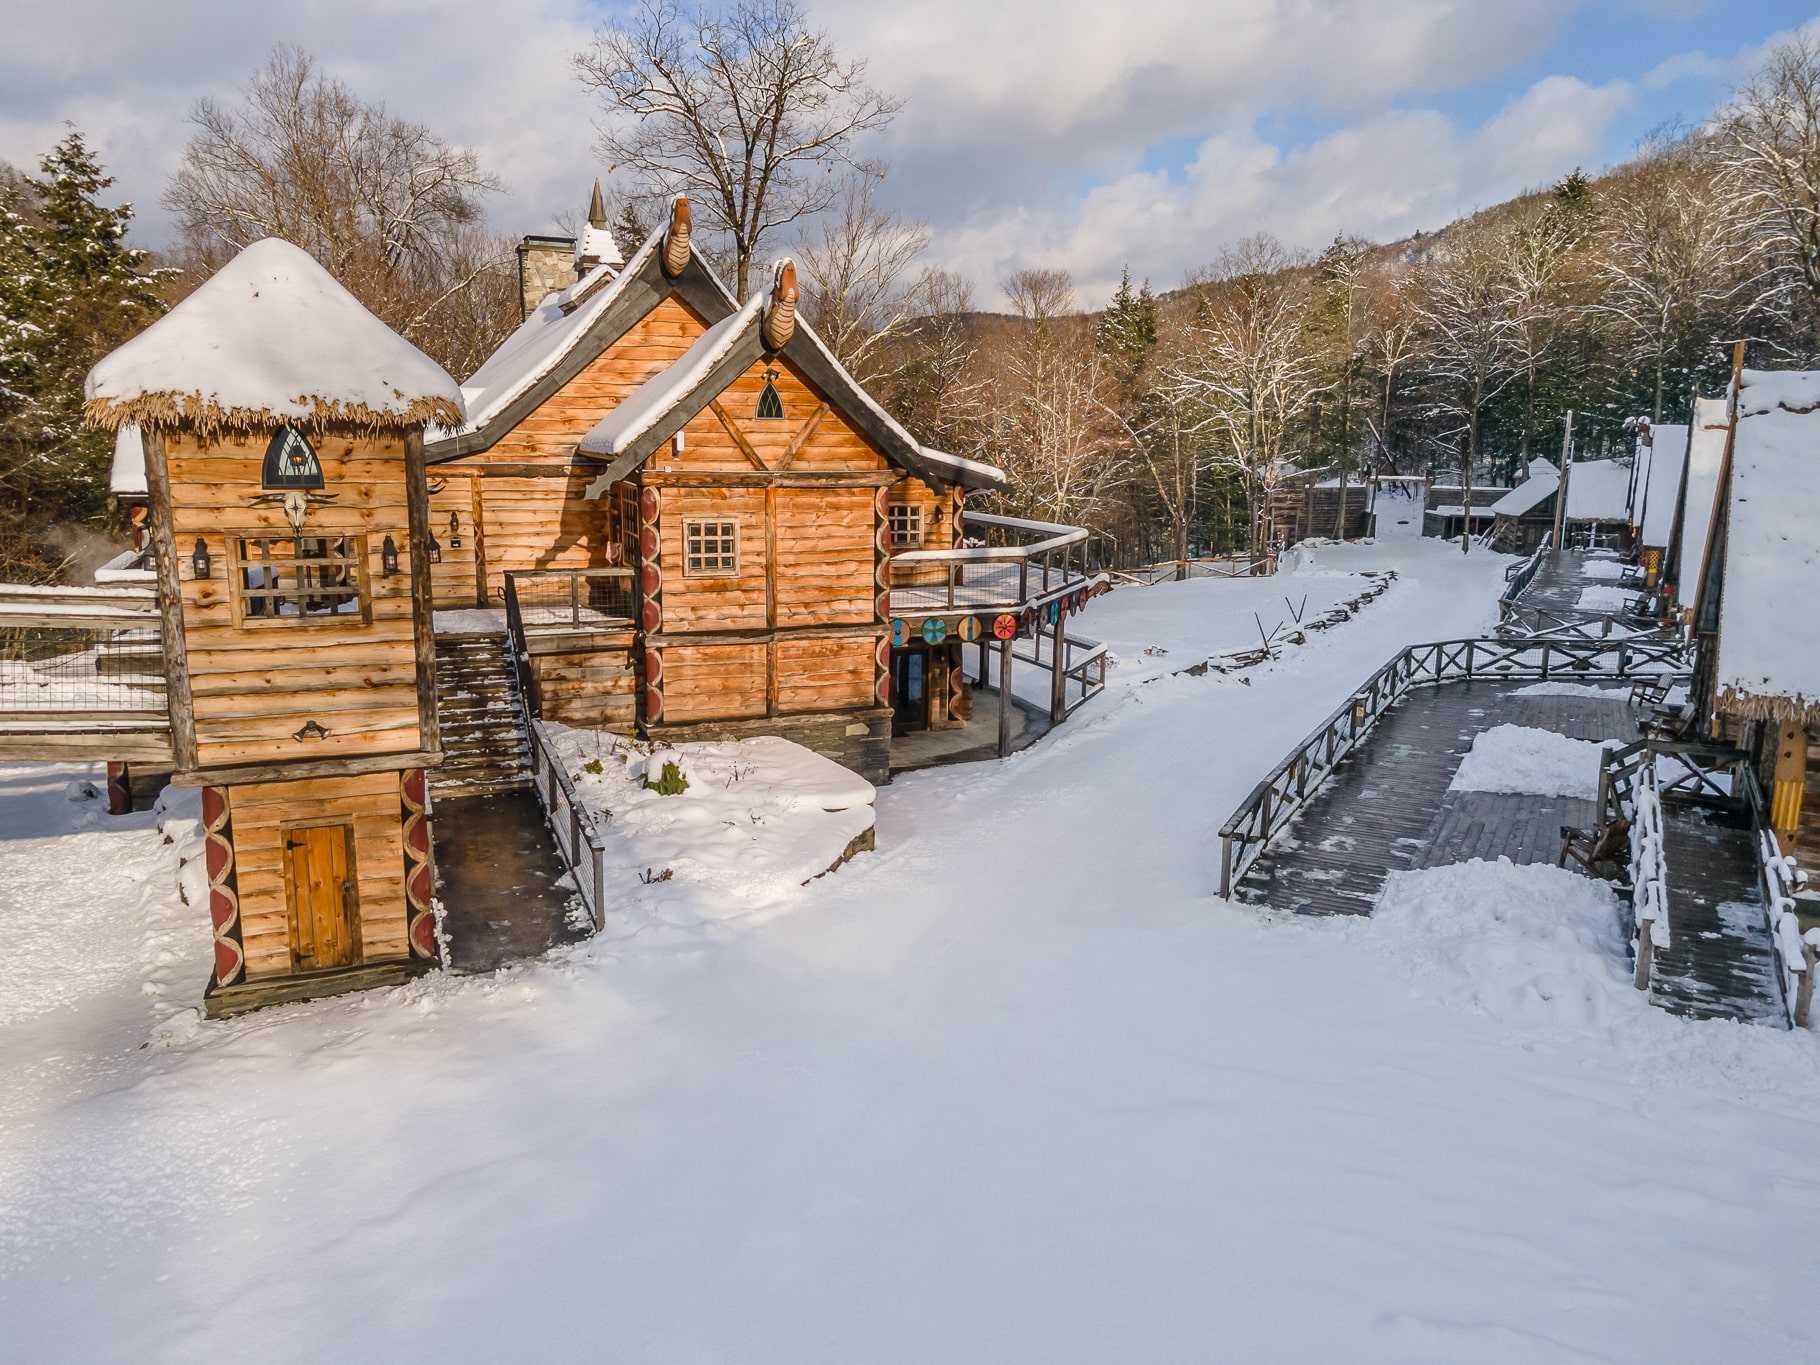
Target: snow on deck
1013 1087
1769 633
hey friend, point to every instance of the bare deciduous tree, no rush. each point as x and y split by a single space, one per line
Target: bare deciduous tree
1466 305
748 111
389 208
854 267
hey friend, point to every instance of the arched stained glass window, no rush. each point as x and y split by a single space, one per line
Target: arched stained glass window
770 406
290 462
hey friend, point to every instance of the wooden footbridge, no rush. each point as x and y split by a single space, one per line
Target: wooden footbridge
1369 793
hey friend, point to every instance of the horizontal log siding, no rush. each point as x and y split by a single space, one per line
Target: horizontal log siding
541 523
452 581
825 675
713 682
259 813
593 689
824 556
254 687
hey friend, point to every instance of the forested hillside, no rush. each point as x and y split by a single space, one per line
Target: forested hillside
1157 417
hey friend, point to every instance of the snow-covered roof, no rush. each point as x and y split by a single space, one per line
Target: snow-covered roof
1543 480
1598 490
1769 634
597 243
270 338
646 406
1661 485
1705 455
126 479
1639 475
659 403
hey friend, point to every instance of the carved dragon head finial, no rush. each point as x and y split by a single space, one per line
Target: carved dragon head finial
676 240
780 313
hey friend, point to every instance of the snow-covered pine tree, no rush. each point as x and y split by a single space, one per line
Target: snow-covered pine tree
72 291
1127 330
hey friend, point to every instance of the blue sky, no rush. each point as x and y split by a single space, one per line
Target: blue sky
1036 132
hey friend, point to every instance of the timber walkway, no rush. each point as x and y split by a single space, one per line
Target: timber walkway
1720 963
1389 807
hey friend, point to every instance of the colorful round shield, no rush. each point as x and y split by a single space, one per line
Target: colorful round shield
969 628
935 630
1004 627
1055 612
898 633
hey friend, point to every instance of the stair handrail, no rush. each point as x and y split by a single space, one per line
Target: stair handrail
1779 879
578 837
517 650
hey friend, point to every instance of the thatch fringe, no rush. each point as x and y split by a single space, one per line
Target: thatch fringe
193 412
1756 706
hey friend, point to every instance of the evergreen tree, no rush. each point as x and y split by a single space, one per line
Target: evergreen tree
1127 331
72 291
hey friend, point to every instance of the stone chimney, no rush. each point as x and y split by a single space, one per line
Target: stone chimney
545 266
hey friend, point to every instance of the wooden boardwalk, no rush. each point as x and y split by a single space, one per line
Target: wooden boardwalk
1560 581
1719 964
1388 807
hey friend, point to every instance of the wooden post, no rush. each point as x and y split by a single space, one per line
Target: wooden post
1058 681
1567 446
170 601
480 542
1004 698
423 611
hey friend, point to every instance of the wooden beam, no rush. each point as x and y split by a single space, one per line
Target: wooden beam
298 772
738 436
857 630
478 508
423 610
781 478
801 439
771 599
170 599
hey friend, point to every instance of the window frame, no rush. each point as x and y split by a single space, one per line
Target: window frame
911 512
727 531
356 558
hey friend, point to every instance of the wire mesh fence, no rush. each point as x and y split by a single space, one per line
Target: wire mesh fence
574 599
77 669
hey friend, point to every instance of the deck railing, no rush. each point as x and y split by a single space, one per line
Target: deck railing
577 835
1276 801
517 649
1029 561
1519 578
1082 665
1649 874
1260 565
574 599
1779 880
81 660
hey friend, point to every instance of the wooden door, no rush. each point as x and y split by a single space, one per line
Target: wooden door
318 883
909 690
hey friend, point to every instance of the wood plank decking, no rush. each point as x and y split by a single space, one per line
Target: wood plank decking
1388 806
1719 964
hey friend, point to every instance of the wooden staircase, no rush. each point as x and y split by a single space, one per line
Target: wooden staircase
486 741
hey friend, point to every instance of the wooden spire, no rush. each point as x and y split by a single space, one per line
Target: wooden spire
780 313
676 240
597 209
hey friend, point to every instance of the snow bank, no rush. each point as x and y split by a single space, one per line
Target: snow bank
1529 946
1604 598
1521 759
270 337
1602 570
1567 689
759 818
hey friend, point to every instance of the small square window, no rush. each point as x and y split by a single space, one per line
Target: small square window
906 523
711 547
300 579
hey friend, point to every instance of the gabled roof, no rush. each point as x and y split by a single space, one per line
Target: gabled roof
566 333
1769 634
1661 485
269 338
1541 484
671 399
1705 455
1598 490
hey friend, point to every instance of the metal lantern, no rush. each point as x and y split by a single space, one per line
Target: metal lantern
199 559
454 530
388 557
435 550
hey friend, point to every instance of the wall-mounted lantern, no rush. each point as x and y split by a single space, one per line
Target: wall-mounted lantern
454 530
199 559
388 557
435 550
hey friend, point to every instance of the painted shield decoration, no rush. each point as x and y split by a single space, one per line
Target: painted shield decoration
935 630
1004 627
898 632
969 629
1055 612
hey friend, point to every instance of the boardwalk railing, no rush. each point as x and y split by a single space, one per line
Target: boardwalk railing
1525 573
1083 664
1281 796
1649 875
1779 879
517 647
1021 560
577 836
1260 565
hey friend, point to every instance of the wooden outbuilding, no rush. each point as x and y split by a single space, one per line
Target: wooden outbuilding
1656 491
1525 516
1757 672
282 434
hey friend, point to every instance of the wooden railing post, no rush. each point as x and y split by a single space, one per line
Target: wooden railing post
574 599
599 859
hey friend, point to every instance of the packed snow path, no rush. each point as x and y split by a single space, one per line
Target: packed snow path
1392 805
1016 1087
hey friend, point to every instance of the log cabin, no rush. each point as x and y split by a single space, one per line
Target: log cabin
1656 489
282 434
1757 669
695 519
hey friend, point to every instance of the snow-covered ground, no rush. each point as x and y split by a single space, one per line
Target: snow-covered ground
1016 1087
